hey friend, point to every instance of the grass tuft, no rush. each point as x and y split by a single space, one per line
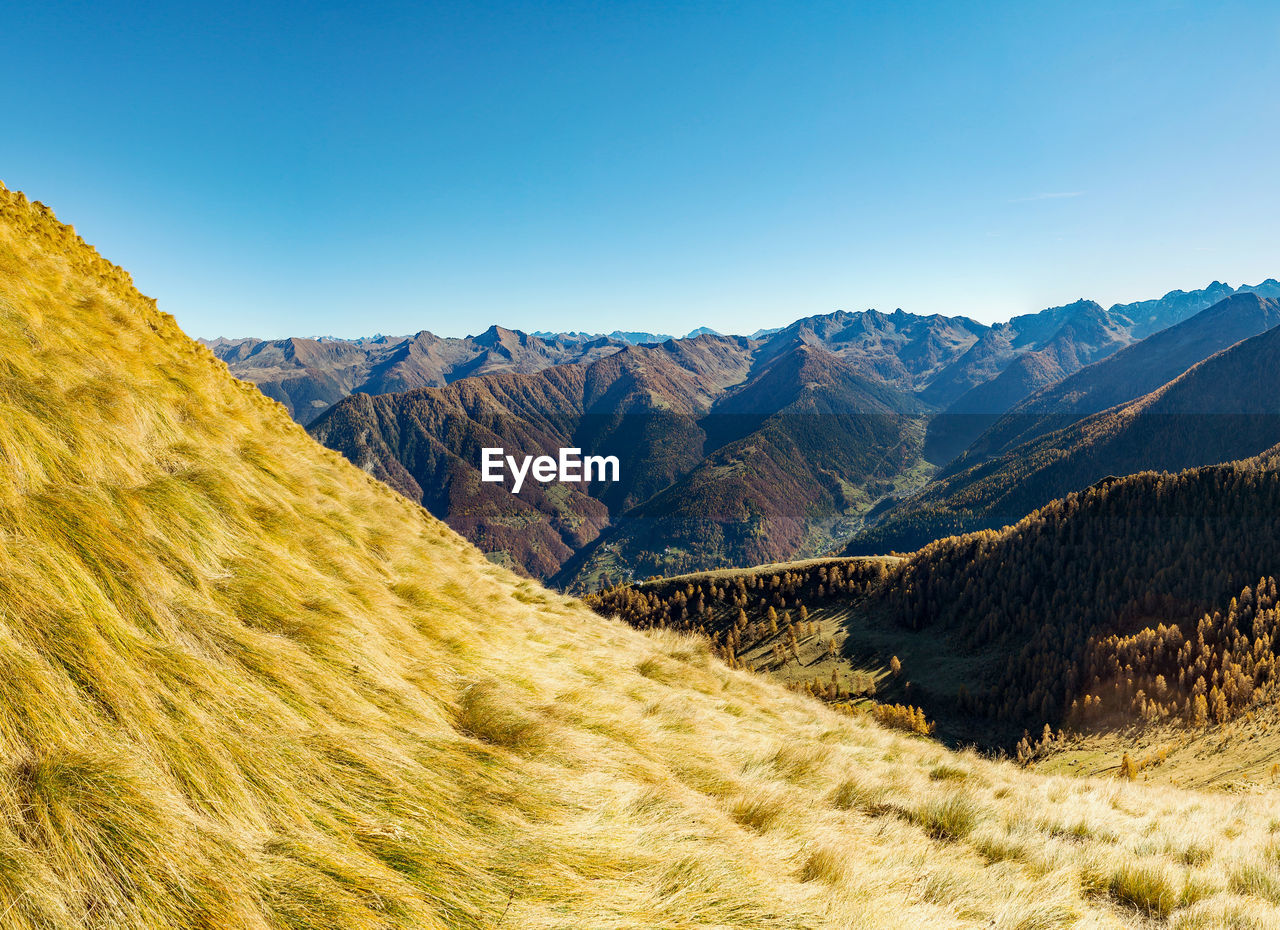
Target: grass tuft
952 816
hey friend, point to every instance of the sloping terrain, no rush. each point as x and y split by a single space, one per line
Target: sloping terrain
723 459
308 376
1126 375
1029 353
1224 408
900 349
246 685
797 455
641 405
1089 333
1034 603
941 359
1128 618
721 464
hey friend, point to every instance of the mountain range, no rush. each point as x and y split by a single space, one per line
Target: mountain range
246 684
956 365
308 375
684 419
1221 408
737 450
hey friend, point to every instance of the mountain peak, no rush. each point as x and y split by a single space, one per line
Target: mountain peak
495 335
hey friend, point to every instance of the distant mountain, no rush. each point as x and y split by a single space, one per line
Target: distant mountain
971 371
630 338
639 338
701 331
1224 408
1087 333
899 349
794 456
1127 374
737 450
723 459
1015 359
308 376
640 404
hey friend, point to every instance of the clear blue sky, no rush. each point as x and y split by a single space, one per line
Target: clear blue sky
345 168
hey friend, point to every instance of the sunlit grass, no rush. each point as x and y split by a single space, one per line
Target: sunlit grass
244 685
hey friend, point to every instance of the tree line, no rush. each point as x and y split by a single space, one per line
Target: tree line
739 611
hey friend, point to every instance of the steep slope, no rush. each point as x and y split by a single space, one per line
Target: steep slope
308 376
1150 316
798 453
1126 375
1030 352
1225 408
1141 600
1088 333
900 349
640 404
1047 607
248 686
722 459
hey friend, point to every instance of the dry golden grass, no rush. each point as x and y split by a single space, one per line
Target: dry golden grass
244 685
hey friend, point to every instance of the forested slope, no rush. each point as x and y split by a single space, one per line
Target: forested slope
1222 409
248 686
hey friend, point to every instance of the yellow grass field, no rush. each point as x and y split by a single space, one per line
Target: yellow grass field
244 685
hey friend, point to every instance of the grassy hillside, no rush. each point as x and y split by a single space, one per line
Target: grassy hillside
246 685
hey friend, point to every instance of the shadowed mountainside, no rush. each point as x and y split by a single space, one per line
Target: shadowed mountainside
1016 359
679 417
1126 375
246 685
1224 408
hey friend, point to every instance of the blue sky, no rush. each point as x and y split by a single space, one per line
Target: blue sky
341 168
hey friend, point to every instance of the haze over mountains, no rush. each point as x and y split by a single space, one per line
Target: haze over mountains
944 359
308 375
1223 408
247 685
737 450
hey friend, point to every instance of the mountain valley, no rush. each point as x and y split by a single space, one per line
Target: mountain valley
249 685
787 444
